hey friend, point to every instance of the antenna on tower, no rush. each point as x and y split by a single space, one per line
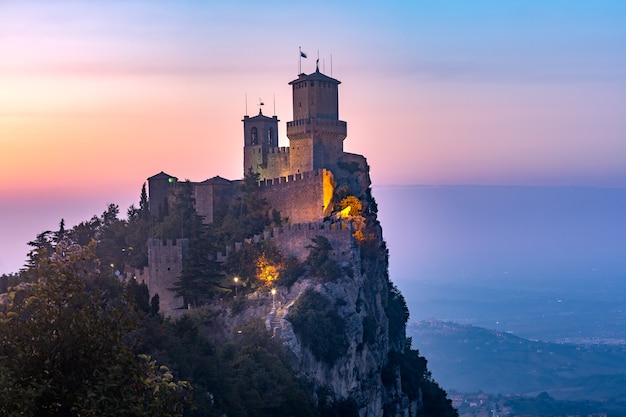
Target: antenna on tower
274 99
246 104
331 65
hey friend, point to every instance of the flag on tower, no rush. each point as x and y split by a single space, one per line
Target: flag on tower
302 55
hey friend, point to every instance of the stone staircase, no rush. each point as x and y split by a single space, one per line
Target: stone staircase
277 322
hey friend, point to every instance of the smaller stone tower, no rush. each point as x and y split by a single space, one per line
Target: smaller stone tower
316 134
260 144
160 186
165 264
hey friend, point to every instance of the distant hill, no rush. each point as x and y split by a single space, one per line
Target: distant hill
466 358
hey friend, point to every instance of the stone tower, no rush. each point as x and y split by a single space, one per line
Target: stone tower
160 187
260 144
316 134
165 264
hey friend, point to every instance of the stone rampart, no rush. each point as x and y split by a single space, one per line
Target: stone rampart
166 257
293 239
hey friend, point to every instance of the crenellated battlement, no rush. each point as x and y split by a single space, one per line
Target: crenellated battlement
300 197
293 239
169 243
277 149
139 275
310 175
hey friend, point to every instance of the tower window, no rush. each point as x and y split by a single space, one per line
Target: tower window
270 135
254 136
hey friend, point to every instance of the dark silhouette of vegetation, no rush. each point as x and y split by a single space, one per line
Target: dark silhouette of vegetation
246 376
201 277
319 260
248 214
139 227
417 382
319 326
397 313
341 408
179 221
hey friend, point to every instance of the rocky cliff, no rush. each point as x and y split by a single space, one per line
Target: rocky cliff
345 331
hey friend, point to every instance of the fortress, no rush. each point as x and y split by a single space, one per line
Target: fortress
299 181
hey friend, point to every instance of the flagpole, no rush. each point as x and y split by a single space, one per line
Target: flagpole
300 56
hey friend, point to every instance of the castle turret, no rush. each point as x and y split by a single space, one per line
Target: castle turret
260 139
165 264
316 134
160 186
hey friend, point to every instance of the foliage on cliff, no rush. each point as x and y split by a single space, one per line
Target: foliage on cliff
319 326
62 348
249 374
246 376
319 261
70 345
247 214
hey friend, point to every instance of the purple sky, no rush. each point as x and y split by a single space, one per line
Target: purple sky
97 96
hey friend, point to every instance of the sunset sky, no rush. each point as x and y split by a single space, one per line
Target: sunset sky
96 96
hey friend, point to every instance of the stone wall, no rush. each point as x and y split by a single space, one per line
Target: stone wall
276 163
204 197
301 159
293 239
301 198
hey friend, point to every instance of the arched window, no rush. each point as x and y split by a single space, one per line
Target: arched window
270 135
254 136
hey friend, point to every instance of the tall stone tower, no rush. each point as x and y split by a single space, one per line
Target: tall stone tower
316 134
260 144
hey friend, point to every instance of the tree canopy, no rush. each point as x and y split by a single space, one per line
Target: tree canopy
63 350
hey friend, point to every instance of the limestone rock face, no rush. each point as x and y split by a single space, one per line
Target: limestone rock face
360 297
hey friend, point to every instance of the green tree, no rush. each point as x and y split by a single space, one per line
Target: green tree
177 223
139 230
248 214
260 381
319 326
201 276
111 240
397 313
62 351
42 247
60 234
